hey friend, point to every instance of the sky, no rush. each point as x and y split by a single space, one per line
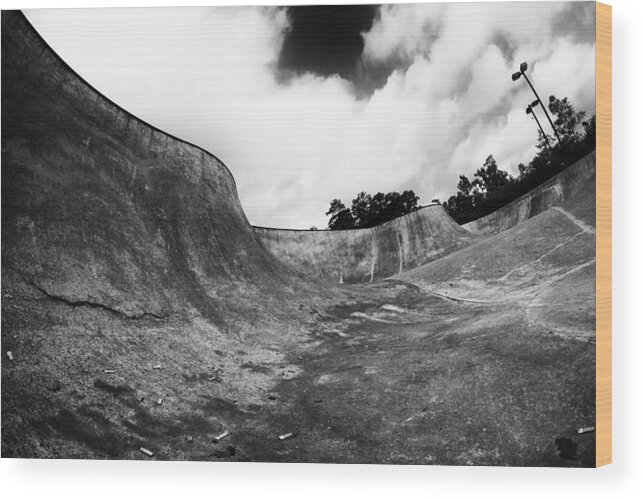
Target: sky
308 104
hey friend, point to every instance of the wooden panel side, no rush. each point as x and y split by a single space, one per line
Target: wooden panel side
603 234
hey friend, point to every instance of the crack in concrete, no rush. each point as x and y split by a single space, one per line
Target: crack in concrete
102 306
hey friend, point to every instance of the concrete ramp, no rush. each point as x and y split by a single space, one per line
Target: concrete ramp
365 255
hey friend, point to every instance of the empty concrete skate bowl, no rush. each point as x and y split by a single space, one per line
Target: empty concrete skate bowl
141 309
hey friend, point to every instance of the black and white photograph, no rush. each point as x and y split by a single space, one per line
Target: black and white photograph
349 234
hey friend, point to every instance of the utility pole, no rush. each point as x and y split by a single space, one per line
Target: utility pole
516 76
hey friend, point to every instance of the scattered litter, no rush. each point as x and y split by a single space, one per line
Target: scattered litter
157 366
159 401
286 435
272 397
147 452
141 399
8 296
221 436
109 371
318 401
586 429
409 419
189 438
10 355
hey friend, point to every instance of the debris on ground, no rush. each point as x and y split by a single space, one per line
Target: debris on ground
189 438
159 401
10 355
147 452
585 429
157 366
286 436
221 436
109 371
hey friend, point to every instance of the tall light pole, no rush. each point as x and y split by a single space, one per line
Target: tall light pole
530 110
516 76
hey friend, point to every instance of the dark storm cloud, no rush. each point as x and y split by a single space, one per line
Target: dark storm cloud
325 40
328 41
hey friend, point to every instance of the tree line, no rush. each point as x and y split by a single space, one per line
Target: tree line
368 211
492 188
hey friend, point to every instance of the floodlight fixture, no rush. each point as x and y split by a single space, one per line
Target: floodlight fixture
516 76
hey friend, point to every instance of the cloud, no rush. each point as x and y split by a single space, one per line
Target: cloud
208 75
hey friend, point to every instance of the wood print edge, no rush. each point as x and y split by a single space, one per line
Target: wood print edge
603 234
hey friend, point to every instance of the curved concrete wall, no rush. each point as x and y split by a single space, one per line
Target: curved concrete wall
100 207
364 255
551 193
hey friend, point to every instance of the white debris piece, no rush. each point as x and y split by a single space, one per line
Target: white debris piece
586 429
159 401
285 436
189 438
147 452
222 436
10 355
157 366
109 371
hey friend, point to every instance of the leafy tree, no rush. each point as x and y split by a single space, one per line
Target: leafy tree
361 209
340 216
567 120
464 186
491 178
